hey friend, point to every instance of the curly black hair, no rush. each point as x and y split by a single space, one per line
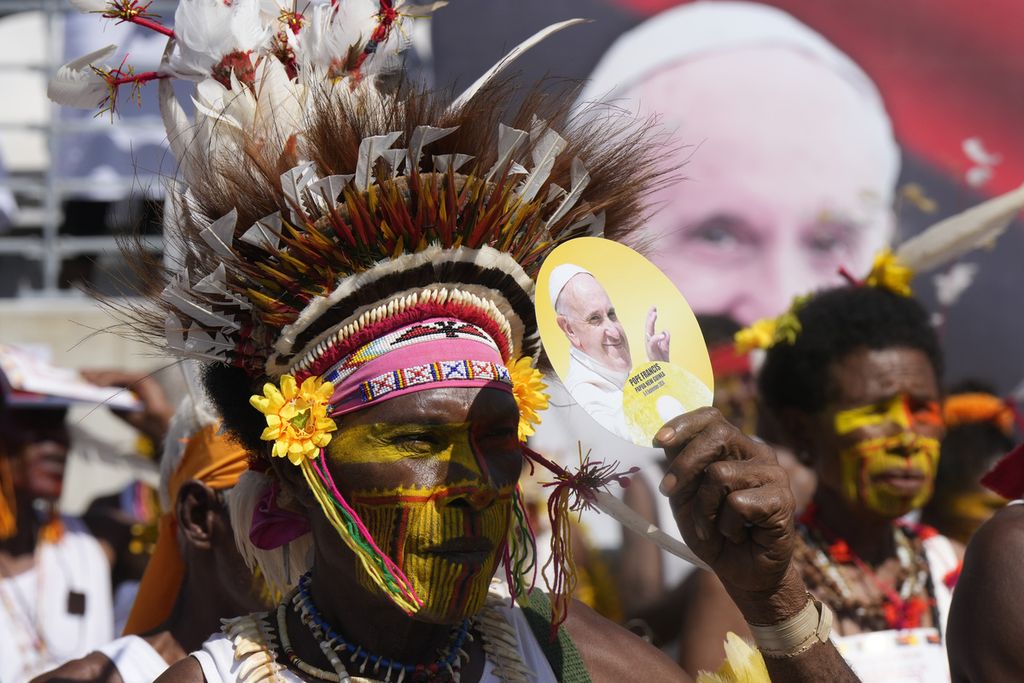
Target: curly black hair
834 323
229 388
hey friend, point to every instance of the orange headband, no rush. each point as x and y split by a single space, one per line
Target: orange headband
218 463
979 407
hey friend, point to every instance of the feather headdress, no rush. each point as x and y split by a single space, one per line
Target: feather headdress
321 207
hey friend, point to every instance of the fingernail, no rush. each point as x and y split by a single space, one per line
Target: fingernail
667 484
664 434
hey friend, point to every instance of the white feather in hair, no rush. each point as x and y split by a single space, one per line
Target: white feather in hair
951 238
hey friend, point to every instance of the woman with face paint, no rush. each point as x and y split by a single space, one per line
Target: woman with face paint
857 397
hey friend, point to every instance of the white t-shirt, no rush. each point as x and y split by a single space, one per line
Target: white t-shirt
38 632
135 659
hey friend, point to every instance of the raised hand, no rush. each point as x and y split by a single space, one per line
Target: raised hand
734 508
657 342
155 416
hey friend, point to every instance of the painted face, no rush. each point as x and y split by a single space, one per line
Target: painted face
435 495
884 431
889 475
789 174
588 318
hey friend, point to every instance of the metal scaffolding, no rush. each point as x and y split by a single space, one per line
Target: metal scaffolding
41 195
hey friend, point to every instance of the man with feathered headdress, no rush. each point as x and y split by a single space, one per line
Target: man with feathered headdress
366 312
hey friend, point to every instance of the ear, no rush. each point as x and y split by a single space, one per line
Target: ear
196 509
566 327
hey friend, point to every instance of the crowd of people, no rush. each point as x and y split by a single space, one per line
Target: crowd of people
371 472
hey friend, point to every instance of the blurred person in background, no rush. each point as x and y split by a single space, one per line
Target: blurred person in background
856 396
979 431
55 570
196 576
55 598
790 162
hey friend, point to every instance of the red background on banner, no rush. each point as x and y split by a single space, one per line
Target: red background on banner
948 70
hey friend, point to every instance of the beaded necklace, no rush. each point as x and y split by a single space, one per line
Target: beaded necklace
445 669
820 555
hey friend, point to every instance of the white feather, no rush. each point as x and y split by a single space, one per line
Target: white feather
76 84
176 123
547 145
580 178
265 233
510 57
207 30
294 182
953 237
420 138
325 192
371 149
90 5
220 234
509 140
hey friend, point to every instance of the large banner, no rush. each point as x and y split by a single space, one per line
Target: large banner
811 133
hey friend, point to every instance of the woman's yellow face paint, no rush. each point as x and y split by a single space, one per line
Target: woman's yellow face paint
437 499
888 474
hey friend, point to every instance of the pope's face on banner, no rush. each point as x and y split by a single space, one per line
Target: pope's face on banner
789 174
432 475
588 319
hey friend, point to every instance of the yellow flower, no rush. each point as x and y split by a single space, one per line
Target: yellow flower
889 273
297 420
528 390
760 335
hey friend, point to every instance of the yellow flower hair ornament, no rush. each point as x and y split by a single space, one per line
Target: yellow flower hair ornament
889 273
768 332
297 420
528 390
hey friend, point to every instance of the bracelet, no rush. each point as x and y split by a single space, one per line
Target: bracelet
797 634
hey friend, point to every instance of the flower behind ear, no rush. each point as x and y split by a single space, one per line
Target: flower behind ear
297 420
528 390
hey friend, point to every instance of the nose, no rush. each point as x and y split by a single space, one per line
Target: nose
783 274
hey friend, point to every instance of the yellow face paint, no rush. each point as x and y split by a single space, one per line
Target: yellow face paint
895 410
871 467
865 465
446 537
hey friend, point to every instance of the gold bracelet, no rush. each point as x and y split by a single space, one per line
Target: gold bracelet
797 634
